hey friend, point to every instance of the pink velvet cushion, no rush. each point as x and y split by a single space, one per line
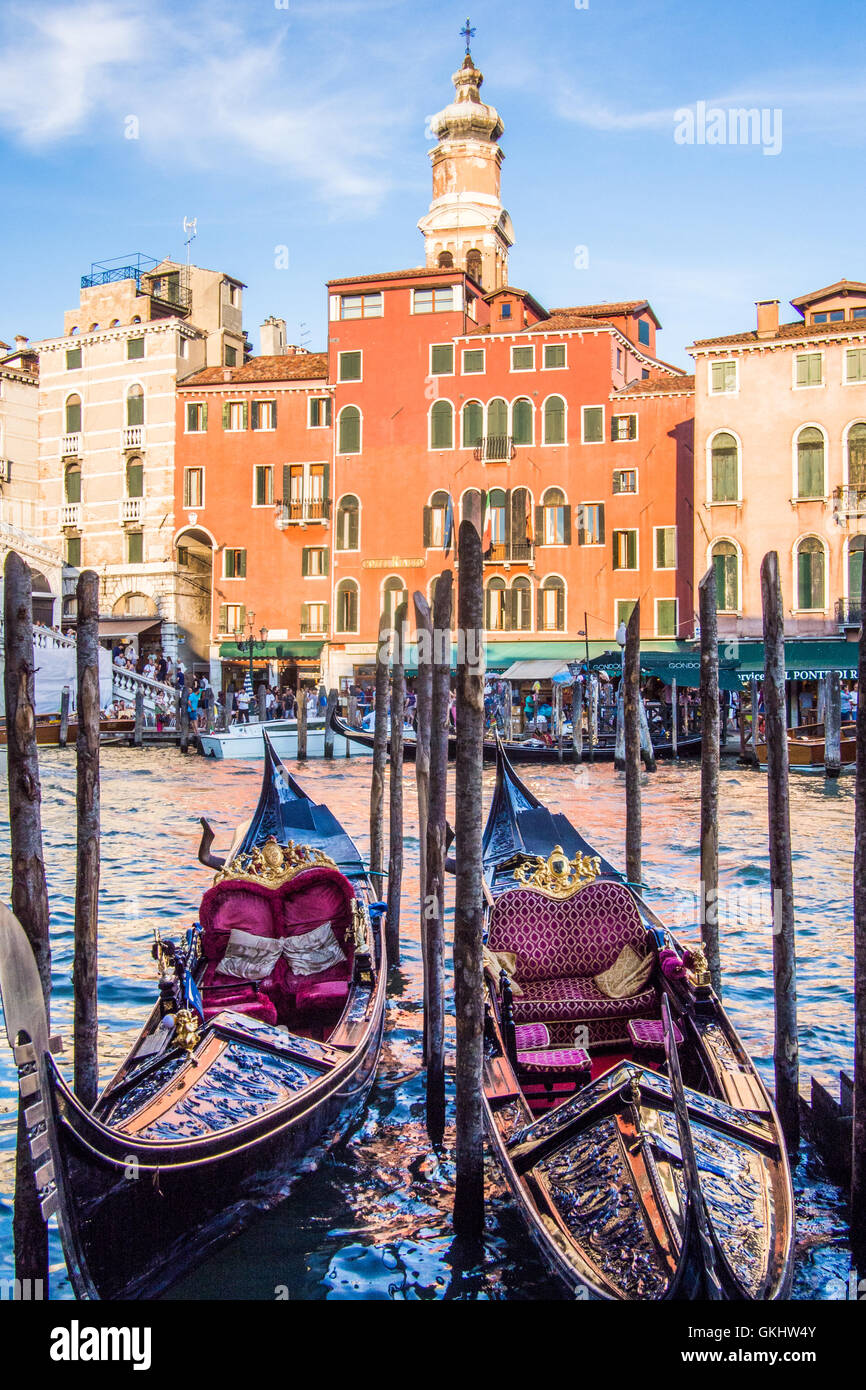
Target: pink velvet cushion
529 1036
574 1000
242 999
316 897
230 906
649 1032
315 993
556 940
565 1059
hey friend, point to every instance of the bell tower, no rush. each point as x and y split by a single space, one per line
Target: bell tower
467 226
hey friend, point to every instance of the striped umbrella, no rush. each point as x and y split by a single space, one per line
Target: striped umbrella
248 685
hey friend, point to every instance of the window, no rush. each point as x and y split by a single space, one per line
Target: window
495 605
497 418
666 547
494 524
555 518
234 296
726 566
831 316
551 605
263 485
73 415
473 265
317 490
505 310
624 550
72 483
393 594
445 260
523 359
320 412
625 480
442 425
196 417
314 617
234 563
135 478
858 313
347 606
809 369
473 361
624 608
349 366
434 521
235 415
362 306
73 551
183 347
231 356
724 458
73 358
521 604
135 547
643 332
619 359
810 574
349 430
232 617
723 377
193 488
593 424
134 348
442 359
554 355
473 424
263 415
590 523
623 427
855 364
521 421
644 376
433 301
666 617
183 556
810 463
347 530
314 561
135 406
856 547
857 456
554 420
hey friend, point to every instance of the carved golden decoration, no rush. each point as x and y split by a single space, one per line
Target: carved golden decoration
359 924
698 967
187 1029
272 864
558 876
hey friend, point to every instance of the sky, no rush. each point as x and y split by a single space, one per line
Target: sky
294 132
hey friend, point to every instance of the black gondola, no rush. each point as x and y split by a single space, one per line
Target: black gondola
642 1147
263 1045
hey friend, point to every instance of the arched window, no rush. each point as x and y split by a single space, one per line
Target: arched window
442 425
135 478
726 564
522 529
473 265
495 540
347 529
724 457
810 574
73 414
857 456
394 592
434 521
347 606
470 507
446 260
495 605
349 430
856 547
72 483
551 605
521 421
810 462
521 604
473 424
496 446
135 406
556 518
554 420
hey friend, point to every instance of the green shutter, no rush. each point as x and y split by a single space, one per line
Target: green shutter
600 536
287 483
522 422
427 527
539 525
274 413
354 528
539 609
305 561
204 416
242 564
246 415
566 525
560 609
255 414
442 425
473 424
225 415
326 487
349 430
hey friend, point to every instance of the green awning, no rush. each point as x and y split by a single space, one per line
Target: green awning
501 655
273 651
805 660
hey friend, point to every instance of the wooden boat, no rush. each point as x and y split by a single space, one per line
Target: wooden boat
641 1145
806 748
263 1044
48 730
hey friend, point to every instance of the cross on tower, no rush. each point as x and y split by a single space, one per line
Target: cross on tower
468 33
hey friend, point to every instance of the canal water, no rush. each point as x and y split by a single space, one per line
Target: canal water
373 1220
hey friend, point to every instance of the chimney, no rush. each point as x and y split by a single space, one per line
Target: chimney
20 342
272 337
768 318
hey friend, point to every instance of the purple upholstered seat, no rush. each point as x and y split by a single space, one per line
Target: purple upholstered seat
529 1036
559 1060
650 1033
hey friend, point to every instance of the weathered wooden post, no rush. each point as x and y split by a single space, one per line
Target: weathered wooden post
753 735
509 723
647 751
302 725
395 818
833 725
786 1049
352 720
577 719
329 713
557 721
63 736
380 754
631 734
436 833
593 717
675 747
619 741
709 899
469 900
138 731
858 1154
85 967
423 710
262 701
184 719
29 893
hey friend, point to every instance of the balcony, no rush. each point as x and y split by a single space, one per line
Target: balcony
518 553
495 448
133 436
849 500
70 516
71 446
848 612
131 510
301 511
314 629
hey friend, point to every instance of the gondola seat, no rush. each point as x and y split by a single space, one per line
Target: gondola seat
237 945
556 1062
529 1037
317 935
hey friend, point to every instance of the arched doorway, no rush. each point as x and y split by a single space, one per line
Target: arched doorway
194 549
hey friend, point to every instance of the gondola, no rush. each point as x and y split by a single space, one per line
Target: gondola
643 1149
261 1047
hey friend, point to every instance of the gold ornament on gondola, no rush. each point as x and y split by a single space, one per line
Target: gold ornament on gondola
558 876
187 1030
698 966
272 864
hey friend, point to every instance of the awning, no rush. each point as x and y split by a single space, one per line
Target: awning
540 670
805 660
126 627
681 664
273 651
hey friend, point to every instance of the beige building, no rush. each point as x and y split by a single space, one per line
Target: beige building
107 434
780 461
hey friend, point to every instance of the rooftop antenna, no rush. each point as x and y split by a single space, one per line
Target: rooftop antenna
304 335
189 227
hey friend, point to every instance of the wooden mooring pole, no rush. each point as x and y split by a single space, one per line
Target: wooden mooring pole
709 894
753 735
302 724
29 892
63 736
786 1051
440 705
858 1155
675 749
631 732
380 754
138 730
423 709
833 725
84 970
333 697
577 719
469 900
395 790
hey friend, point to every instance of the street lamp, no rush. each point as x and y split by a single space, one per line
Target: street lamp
251 642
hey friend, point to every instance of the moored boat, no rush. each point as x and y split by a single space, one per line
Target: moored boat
807 748
247 741
262 1046
641 1145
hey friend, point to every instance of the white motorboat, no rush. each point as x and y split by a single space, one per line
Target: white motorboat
245 740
